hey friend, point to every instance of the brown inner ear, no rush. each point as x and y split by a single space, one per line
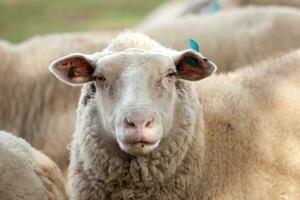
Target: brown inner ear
191 68
74 68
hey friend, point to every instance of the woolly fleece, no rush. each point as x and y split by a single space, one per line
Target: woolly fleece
245 140
27 174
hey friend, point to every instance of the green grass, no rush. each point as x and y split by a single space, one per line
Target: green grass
21 19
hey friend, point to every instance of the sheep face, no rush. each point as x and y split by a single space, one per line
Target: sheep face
135 98
135 90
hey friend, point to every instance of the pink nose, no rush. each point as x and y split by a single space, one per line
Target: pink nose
139 122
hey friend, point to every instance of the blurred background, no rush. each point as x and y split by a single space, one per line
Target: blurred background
21 19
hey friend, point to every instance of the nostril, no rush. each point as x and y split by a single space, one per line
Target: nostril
129 123
150 123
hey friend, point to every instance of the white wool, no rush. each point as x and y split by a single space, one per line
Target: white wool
27 174
176 9
244 141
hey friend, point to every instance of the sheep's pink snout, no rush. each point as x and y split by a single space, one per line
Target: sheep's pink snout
139 122
140 128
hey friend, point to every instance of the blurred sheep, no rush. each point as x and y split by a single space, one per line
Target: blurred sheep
27 174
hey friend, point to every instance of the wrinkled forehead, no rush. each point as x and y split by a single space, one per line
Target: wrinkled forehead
135 59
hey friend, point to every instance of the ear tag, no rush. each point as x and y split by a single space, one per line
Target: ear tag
214 7
194 45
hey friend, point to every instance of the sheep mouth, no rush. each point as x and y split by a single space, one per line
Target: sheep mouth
139 147
141 143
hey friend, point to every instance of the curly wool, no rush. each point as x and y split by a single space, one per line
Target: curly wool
247 142
100 170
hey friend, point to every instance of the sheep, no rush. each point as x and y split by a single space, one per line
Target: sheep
291 3
34 52
253 115
36 89
173 10
33 105
229 4
27 174
6 53
147 130
234 38
166 12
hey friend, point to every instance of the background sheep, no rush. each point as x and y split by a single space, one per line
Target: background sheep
234 38
34 106
252 143
292 3
141 133
173 10
35 56
27 174
196 6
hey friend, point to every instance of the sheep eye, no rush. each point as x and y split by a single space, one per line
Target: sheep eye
101 81
100 78
171 74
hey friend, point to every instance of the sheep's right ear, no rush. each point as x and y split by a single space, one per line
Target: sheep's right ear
74 69
191 65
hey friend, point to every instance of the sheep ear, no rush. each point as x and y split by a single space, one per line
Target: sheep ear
191 65
74 69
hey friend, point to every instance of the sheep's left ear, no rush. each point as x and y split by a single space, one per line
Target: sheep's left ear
191 65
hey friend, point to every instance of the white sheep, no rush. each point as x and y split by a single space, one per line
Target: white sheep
291 3
204 6
27 174
173 10
141 132
234 38
33 104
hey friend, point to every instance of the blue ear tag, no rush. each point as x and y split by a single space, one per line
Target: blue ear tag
214 7
194 46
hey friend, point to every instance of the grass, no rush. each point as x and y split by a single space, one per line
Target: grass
21 19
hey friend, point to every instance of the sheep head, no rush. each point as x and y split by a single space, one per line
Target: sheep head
135 90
